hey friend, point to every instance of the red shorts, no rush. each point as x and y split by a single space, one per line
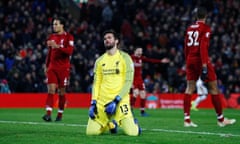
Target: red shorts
138 85
194 70
58 76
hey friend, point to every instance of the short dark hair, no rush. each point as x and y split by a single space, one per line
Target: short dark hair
116 36
60 19
201 12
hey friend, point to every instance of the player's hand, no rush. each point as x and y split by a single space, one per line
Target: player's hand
204 73
110 108
93 109
165 60
52 43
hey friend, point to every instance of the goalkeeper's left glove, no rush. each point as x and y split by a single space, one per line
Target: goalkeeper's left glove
110 108
93 109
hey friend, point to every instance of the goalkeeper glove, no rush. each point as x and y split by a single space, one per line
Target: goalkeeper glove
204 73
110 108
93 109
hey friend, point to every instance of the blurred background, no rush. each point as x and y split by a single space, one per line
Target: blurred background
157 26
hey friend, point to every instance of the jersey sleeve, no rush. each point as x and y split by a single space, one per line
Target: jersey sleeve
68 47
145 59
204 44
129 73
97 80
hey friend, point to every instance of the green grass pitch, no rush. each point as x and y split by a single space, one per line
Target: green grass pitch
163 126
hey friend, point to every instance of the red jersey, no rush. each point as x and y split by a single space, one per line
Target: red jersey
196 51
138 66
197 42
58 58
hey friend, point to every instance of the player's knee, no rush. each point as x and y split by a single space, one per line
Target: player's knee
93 132
132 132
93 128
130 127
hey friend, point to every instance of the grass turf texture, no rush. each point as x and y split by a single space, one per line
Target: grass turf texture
163 126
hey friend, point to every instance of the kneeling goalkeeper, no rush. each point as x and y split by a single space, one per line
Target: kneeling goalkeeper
110 104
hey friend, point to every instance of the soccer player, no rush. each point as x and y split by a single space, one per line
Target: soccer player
201 92
138 88
60 48
110 105
198 65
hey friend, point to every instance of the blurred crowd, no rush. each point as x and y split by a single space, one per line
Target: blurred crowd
157 26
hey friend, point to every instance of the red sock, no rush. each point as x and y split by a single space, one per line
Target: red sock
61 102
133 100
187 106
142 103
49 112
59 114
217 103
49 104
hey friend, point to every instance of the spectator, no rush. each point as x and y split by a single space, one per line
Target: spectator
4 88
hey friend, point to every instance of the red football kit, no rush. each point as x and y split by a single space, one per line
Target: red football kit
58 59
138 81
196 45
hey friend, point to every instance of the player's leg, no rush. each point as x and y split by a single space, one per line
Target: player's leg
199 99
130 126
51 80
94 128
192 72
63 78
202 95
187 103
61 103
143 102
101 123
135 93
216 99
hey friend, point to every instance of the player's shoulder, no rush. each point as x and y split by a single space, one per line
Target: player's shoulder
100 58
69 35
205 26
124 54
199 25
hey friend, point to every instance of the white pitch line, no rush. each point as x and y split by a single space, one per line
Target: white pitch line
156 130
194 132
43 123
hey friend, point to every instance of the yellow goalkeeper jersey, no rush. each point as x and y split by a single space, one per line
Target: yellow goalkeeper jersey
113 75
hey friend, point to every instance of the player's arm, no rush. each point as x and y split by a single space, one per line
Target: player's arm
204 44
152 60
97 79
68 48
129 69
93 111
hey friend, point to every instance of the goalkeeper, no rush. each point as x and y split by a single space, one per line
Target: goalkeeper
110 105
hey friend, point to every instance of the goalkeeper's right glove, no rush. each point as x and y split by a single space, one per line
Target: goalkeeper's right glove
93 109
111 107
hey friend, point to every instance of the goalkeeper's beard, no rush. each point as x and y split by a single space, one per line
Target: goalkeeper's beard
108 47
